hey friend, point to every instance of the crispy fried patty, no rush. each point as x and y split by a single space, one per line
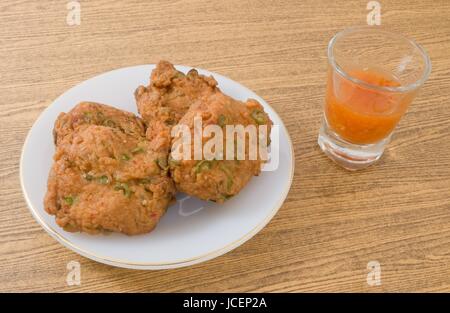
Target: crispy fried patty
168 97
106 176
218 180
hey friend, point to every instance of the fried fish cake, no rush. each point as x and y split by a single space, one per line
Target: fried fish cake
219 179
106 178
168 97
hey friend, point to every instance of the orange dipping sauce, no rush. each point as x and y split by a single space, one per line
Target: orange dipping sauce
361 114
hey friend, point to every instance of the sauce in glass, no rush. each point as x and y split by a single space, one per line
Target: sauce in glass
360 114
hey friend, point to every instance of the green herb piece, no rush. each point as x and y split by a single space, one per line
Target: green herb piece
222 120
203 166
162 163
193 72
109 123
259 117
124 187
225 197
87 116
227 171
68 200
173 162
104 180
100 115
179 74
137 150
229 183
145 181
87 176
125 157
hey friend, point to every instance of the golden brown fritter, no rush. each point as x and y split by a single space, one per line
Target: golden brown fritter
218 180
106 176
168 97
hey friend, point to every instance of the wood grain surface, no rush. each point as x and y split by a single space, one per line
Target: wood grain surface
333 222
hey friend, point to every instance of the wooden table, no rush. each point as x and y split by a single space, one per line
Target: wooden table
333 222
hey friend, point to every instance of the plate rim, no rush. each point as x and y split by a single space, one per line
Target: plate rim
160 265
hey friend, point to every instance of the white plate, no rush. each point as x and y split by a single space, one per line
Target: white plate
192 231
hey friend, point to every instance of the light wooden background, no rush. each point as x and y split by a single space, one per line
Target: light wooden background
332 223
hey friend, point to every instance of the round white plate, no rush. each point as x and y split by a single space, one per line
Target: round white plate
192 231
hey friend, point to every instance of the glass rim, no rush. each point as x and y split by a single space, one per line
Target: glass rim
403 88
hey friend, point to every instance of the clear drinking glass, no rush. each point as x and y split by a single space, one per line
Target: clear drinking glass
373 75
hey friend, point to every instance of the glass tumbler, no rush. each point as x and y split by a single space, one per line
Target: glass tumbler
373 76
